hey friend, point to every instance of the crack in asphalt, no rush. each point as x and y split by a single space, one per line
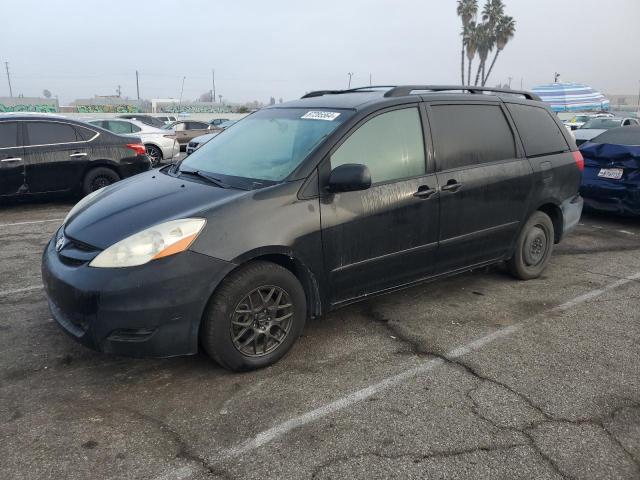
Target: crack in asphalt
416 348
185 451
416 458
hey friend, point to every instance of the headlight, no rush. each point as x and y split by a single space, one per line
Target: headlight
158 241
81 204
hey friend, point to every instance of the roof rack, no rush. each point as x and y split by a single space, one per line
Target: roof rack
404 90
370 88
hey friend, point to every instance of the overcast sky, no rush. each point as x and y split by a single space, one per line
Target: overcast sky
283 48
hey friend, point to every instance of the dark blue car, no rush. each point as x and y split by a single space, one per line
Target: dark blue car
611 177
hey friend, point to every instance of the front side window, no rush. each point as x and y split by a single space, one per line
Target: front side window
470 135
46 133
8 134
197 126
601 123
267 145
391 145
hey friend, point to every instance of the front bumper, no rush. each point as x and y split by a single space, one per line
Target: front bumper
150 310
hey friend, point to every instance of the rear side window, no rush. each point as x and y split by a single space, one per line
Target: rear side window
390 144
469 135
118 127
85 133
8 134
539 132
196 126
45 133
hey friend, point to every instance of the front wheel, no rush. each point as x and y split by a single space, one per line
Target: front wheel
534 247
255 317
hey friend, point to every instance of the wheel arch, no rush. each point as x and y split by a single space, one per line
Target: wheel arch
286 258
553 210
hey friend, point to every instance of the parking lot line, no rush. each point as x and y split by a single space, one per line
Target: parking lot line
281 429
20 290
31 223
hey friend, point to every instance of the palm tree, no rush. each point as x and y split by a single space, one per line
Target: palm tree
504 31
467 11
472 46
484 41
492 12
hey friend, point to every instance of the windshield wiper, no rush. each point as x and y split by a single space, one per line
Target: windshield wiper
198 173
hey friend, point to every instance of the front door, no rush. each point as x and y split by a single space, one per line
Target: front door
385 236
12 171
485 185
55 156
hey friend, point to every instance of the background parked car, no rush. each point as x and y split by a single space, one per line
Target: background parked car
218 121
167 119
147 119
579 120
160 145
595 126
197 142
611 178
187 130
44 153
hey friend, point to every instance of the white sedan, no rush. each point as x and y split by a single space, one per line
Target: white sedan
595 126
160 144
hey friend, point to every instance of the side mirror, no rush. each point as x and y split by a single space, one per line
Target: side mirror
349 177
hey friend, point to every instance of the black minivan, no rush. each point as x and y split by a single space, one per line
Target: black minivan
307 206
46 154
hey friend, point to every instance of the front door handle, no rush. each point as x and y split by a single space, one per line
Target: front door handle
452 186
424 192
11 160
78 154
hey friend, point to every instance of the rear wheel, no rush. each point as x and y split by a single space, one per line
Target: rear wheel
533 248
98 178
255 317
154 154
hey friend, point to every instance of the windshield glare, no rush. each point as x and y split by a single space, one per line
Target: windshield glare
267 145
602 123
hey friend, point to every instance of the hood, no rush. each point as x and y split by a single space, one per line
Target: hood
205 138
587 133
144 200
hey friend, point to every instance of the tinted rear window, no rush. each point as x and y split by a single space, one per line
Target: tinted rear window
465 135
44 133
8 134
619 136
539 132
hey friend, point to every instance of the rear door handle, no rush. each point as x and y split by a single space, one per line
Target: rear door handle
425 192
451 186
10 160
78 154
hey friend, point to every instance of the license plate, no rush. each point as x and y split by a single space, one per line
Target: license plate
615 173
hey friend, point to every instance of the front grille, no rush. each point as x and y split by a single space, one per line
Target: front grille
75 252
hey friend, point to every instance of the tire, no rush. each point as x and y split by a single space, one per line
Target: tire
98 178
154 154
234 316
534 247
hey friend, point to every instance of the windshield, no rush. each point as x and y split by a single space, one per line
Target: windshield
267 145
602 123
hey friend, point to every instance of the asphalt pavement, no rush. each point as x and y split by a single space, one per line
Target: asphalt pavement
478 376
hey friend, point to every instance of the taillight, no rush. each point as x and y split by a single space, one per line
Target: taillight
577 156
137 147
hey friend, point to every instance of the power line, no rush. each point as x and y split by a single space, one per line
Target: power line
6 64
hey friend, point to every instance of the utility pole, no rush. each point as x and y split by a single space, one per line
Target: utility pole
182 91
510 78
137 85
213 85
350 75
220 97
119 91
556 76
370 80
6 64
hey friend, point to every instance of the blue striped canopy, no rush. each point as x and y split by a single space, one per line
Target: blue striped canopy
571 97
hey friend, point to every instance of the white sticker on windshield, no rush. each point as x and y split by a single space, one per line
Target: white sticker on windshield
320 115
